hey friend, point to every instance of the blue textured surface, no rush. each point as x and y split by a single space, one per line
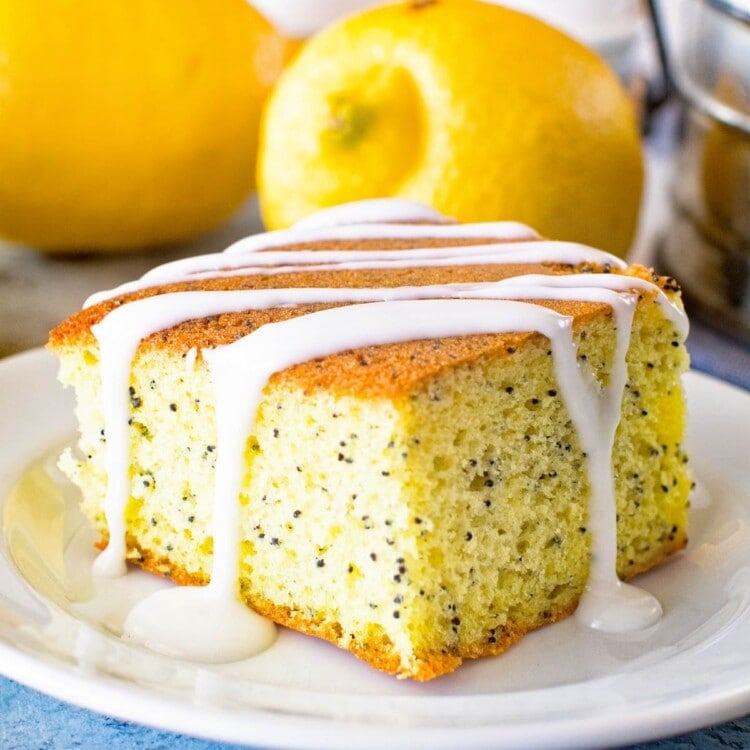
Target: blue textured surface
31 720
719 355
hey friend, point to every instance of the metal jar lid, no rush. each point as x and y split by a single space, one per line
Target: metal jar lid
711 60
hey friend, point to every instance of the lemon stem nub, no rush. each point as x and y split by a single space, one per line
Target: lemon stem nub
349 121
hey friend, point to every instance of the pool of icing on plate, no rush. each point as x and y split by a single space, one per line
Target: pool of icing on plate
173 619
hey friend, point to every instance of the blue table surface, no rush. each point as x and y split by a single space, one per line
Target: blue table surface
29 719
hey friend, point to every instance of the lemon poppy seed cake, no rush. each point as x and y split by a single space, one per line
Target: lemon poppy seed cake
416 439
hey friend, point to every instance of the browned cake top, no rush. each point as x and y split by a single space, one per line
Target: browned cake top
387 370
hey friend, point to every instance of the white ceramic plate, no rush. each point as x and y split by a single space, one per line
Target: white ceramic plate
563 686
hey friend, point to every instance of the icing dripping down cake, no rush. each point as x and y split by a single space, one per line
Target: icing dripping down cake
416 439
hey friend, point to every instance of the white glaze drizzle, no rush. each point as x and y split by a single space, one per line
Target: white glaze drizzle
199 623
278 262
499 230
366 230
595 411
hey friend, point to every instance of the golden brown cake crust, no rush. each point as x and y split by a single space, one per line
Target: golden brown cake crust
377 654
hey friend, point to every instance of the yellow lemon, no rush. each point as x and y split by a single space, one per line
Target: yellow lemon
480 111
128 123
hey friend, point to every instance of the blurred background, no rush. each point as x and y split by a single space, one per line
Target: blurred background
684 63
